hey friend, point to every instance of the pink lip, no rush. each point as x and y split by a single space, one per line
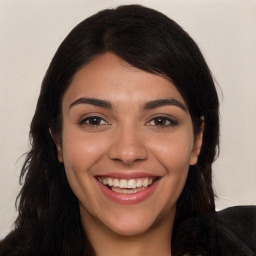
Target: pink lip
127 175
127 199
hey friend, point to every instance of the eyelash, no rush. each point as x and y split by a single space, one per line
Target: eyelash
89 121
163 122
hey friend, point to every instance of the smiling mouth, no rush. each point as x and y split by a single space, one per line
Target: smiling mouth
129 186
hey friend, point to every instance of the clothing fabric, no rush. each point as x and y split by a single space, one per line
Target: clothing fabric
230 232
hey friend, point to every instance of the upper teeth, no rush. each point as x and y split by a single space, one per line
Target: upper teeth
123 183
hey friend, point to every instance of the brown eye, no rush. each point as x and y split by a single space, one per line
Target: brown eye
94 121
159 121
162 122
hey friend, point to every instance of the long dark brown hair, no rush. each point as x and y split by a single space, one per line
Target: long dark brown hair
49 222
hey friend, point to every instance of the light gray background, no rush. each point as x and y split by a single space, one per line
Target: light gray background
31 30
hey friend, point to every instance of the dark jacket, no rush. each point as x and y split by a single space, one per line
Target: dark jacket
230 232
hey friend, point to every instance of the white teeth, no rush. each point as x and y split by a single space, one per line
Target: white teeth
110 183
139 183
116 183
145 182
126 191
104 181
129 184
123 183
132 183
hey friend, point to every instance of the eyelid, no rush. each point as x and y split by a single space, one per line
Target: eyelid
83 119
172 120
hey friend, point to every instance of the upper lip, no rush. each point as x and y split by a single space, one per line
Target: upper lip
128 175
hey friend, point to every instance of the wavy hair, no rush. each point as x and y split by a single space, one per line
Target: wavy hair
48 221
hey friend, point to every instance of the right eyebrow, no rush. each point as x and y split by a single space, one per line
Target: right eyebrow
92 101
164 102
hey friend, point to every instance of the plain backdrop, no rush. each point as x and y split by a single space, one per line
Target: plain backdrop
225 30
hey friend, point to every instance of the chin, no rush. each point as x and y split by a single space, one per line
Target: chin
134 223
131 228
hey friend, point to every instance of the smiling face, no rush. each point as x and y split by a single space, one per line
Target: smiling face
127 143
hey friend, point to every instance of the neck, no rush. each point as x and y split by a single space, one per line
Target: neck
155 241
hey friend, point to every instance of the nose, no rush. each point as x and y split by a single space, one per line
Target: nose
128 146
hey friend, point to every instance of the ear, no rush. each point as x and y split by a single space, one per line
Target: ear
197 145
57 143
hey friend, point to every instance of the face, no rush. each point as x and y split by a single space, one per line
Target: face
127 143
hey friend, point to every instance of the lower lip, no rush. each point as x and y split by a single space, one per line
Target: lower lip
127 199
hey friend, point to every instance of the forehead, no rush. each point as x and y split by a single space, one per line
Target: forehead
111 78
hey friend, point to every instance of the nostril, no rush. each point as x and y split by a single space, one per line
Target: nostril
128 152
128 156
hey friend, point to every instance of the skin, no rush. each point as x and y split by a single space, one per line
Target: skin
126 138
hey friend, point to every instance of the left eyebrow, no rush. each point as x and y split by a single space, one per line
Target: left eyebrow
164 102
92 101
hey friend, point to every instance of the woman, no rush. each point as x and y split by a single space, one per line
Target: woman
123 138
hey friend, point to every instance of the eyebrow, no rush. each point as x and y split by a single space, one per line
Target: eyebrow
148 105
92 101
164 102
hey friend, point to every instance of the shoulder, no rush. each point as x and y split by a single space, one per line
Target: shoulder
228 232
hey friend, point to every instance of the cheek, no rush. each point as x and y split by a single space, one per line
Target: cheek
80 153
175 155
81 150
174 152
